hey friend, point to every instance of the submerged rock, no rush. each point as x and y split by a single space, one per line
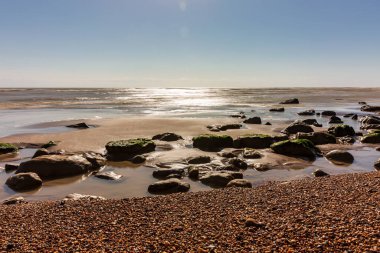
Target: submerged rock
49 144
24 182
341 130
81 125
263 166
210 142
296 147
240 183
253 120
328 113
277 109
307 113
318 138
167 137
371 138
124 150
297 127
169 186
227 154
290 101
6 148
108 175
253 141
340 157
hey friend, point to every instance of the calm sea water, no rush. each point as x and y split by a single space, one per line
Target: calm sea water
20 108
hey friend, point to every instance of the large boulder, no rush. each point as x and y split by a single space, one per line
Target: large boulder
216 179
341 130
124 150
211 142
296 147
168 186
290 101
253 120
318 138
6 148
340 157
297 127
167 137
243 183
60 166
24 182
253 141
371 138
370 108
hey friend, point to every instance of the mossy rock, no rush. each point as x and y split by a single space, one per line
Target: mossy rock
296 147
254 141
6 148
318 138
371 138
123 150
341 130
211 142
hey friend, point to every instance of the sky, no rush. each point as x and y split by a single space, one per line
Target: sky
189 43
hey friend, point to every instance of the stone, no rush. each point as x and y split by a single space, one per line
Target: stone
377 165
297 127
166 173
218 128
253 120
199 160
277 109
348 115
318 138
354 117
290 101
167 137
320 173
310 121
340 157
328 113
216 179
81 125
262 166
168 186
77 196
258 141
227 154
368 120
362 103
138 159
307 113
335 120
6 148
252 223
268 124
249 153
24 182
369 108
195 172
371 138
346 140
60 166
296 147
14 200
10 167
341 130
108 175
41 152
241 116
49 144
243 183
124 150
237 163
210 142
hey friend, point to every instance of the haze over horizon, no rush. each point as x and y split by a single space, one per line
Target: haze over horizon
189 43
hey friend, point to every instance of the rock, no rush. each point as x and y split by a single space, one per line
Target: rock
241 116
199 160
240 183
328 113
346 140
367 120
6 148
227 154
237 163
341 130
370 127
317 138
378 149
277 109
297 127
195 171
10 167
354 117
210 142
268 124
335 120
371 138
124 150
14 200
377 165
81 125
348 115
138 159
253 120
166 173
290 101
24 181
167 137
109 175
41 152
310 121
216 179
77 196
218 128
252 223
307 113
318 113
251 154
49 144
369 108
320 173
60 166
263 167
340 157
296 147
278 138
169 186
253 141
362 103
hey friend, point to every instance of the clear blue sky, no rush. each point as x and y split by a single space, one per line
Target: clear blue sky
208 43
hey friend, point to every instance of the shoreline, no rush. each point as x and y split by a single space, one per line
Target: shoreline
291 216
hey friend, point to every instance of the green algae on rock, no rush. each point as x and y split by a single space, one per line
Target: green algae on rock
371 138
296 147
123 150
7 148
211 142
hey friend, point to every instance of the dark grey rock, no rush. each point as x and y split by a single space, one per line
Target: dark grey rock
253 120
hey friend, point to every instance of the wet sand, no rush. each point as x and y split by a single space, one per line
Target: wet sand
331 214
